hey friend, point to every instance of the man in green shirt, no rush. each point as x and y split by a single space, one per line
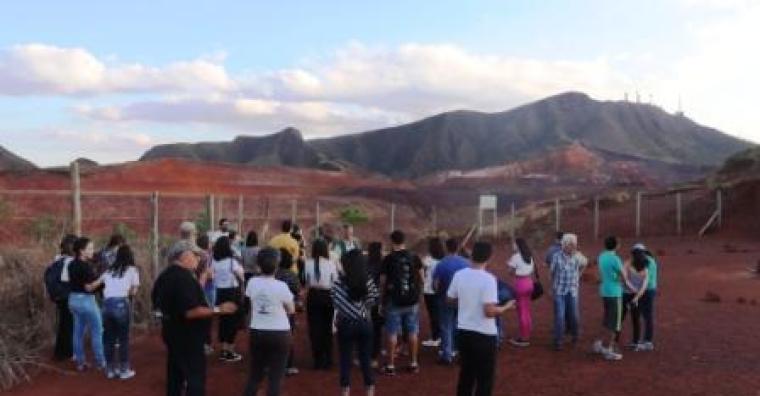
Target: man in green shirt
612 278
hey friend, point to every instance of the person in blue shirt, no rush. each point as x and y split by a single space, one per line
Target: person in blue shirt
442 276
613 279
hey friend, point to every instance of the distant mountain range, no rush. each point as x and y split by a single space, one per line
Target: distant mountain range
469 140
12 162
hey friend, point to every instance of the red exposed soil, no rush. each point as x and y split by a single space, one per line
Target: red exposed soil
702 348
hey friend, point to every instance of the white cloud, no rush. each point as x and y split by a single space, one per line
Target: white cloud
422 79
38 69
249 115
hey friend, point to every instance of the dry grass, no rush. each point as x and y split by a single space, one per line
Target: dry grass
26 325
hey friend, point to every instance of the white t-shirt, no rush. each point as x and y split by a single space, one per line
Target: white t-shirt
118 287
225 272
268 299
520 266
474 288
429 264
328 273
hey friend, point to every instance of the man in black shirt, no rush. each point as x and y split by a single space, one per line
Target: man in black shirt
401 276
178 296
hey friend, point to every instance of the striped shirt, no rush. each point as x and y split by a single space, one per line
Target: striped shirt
353 311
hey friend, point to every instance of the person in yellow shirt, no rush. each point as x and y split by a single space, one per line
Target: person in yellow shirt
286 241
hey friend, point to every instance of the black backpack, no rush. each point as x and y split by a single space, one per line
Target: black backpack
404 279
57 290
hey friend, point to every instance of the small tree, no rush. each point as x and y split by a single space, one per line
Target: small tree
203 222
353 215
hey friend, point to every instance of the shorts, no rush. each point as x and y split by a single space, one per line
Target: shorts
613 311
398 318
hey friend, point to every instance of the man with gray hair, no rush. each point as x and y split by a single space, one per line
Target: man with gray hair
185 315
566 268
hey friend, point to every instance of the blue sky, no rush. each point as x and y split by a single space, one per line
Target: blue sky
106 80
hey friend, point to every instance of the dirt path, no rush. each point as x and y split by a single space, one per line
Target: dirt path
703 348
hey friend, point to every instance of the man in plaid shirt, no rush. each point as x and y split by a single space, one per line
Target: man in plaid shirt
566 268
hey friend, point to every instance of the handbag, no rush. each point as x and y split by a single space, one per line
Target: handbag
538 288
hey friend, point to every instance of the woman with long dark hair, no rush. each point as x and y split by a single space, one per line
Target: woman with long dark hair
228 276
429 262
320 274
83 306
522 267
635 299
353 295
120 283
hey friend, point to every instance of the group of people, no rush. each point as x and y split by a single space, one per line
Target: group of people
92 292
368 301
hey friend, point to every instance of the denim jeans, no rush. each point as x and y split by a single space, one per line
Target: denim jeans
565 314
358 334
86 317
116 319
448 323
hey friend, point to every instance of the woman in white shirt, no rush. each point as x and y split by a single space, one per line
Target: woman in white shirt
435 254
228 276
120 283
270 341
522 267
320 274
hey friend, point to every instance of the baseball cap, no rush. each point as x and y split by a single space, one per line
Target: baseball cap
180 247
639 246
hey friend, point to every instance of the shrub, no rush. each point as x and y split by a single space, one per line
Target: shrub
353 215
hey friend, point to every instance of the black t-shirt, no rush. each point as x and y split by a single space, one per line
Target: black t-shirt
175 292
81 273
391 268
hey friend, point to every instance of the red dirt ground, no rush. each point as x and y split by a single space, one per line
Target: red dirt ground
703 348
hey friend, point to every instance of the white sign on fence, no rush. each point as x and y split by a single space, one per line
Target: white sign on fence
487 202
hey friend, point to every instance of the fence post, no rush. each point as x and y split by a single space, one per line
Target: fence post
76 199
679 229
220 211
557 210
435 221
241 229
719 204
512 224
154 234
293 211
317 221
596 217
638 213
393 217
210 207
495 223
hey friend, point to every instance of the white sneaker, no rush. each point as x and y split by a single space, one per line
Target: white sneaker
110 374
127 374
612 356
598 348
645 347
431 343
291 371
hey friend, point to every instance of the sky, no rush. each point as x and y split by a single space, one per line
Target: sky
109 80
